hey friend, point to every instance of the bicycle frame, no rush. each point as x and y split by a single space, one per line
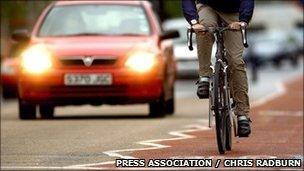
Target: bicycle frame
221 58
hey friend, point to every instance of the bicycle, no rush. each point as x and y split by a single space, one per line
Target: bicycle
220 101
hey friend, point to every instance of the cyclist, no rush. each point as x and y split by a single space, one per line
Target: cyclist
209 13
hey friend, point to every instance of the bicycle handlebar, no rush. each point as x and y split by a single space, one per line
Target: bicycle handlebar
190 32
189 38
244 35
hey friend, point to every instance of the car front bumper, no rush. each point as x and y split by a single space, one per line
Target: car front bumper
126 88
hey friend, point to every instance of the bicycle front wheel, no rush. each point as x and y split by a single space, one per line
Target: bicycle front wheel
220 108
228 133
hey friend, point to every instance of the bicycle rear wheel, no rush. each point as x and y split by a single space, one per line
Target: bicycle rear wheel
219 108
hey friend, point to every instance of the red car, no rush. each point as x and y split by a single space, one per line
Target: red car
9 72
96 52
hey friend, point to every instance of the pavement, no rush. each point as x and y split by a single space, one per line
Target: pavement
89 137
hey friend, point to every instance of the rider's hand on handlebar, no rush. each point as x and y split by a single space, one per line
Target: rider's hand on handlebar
198 27
237 25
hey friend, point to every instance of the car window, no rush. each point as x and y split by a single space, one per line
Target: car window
95 19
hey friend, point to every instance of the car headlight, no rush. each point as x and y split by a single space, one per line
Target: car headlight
141 61
36 59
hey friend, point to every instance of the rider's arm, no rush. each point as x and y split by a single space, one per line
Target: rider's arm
189 11
246 10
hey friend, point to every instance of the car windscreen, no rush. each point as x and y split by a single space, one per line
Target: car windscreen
73 20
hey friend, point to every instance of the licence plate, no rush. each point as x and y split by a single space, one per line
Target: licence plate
87 79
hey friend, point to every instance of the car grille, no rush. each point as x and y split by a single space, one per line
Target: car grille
78 61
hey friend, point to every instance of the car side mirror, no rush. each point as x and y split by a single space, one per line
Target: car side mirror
21 35
170 34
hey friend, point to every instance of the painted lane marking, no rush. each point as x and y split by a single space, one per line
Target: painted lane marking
153 144
180 135
280 90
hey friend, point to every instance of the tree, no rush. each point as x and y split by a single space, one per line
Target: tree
17 14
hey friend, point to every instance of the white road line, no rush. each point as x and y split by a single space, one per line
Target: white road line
281 89
153 144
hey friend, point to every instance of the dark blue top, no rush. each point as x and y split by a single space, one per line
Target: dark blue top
244 7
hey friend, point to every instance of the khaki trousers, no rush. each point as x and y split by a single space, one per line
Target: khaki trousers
234 48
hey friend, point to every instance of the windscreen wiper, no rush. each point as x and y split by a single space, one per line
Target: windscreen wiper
130 34
81 34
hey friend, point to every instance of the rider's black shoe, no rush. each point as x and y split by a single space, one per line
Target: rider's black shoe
203 87
244 126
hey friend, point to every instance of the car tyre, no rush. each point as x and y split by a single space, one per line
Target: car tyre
27 111
7 95
157 109
294 61
46 111
277 63
170 105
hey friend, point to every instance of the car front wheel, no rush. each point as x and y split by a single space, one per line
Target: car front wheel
26 110
170 105
157 109
46 111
